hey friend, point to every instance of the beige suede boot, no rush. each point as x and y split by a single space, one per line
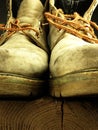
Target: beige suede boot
24 52
74 52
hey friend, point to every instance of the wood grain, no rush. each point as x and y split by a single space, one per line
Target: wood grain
48 113
40 114
80 114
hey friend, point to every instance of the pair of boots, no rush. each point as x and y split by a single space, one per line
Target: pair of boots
65 59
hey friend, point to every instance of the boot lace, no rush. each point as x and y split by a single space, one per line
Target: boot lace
74 24
14 26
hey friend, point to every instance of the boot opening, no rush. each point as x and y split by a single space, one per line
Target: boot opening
95 19
15 7
43 1
70 6
3 13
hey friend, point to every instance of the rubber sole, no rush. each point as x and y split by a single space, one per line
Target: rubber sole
76 84
11 85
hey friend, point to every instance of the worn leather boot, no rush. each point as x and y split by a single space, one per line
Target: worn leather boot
24 52
74 52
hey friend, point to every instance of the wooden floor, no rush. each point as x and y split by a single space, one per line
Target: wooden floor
48 113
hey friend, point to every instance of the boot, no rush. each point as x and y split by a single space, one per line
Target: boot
24 52
74 52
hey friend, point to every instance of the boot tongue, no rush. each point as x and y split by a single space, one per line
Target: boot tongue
31 12
16 4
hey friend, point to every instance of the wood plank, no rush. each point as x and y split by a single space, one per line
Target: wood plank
48 113
80 114
40 114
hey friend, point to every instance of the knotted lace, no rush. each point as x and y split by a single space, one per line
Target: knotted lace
74 24
14 26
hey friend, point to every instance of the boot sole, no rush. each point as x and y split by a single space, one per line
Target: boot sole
12 85
77 84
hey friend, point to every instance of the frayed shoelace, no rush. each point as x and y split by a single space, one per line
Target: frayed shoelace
74 24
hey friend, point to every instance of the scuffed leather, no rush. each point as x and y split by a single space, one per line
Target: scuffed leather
72 54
